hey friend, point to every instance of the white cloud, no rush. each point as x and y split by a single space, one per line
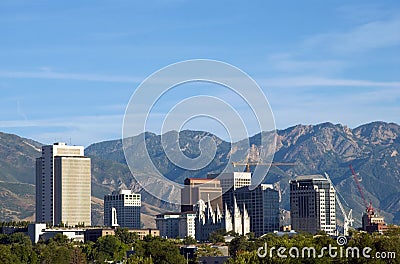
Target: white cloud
69 76
312 81
338 105
334 53
289 63
82 130
365 37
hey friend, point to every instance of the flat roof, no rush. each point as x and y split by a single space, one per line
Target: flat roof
201 179
177 213
310 177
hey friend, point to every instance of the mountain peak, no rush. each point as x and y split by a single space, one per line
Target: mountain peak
378 132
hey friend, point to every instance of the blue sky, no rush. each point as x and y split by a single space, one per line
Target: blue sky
68 70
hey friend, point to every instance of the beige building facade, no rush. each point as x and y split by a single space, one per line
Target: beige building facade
196 189
63 186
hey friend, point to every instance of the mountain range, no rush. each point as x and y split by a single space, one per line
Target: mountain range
372 149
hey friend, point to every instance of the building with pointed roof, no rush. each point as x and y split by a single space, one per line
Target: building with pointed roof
209 220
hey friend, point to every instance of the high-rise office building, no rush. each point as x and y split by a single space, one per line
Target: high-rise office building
262 204
229 183
122 208
63 186
312 204
232 180
196 189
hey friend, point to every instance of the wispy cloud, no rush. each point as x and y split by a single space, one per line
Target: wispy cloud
312 81
368 36
81 130
69 76
299 81
331 53
337 105
289 63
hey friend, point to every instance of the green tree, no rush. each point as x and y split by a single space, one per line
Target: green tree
89 250
21 247
189 240
245 258
77 257
54 254
110 248
238 244
6 257
217 237
60 240
162 251
125 236
139 260
208 251
24 254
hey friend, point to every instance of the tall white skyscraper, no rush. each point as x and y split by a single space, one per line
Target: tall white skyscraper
229 183
63 186
125 206
312 204
232 180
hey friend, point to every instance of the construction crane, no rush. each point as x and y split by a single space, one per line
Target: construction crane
253 159
370 211
358 186
348 217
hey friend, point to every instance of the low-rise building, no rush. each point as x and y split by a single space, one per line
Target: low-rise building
76 235
176 225
145 232
35 231
94 234
38 232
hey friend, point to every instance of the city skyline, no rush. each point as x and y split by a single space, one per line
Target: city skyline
251 106
85 62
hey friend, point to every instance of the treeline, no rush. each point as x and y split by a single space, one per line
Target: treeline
360 247
20 224
17 248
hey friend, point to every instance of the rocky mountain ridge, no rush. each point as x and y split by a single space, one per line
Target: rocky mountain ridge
373 150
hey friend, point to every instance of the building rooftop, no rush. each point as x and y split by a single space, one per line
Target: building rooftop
229 175
310 177
126 192
261 186
176 213
202 179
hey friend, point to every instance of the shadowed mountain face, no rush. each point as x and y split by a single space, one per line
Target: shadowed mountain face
373 150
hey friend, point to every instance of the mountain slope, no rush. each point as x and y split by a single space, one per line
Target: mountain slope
16 158
373 150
